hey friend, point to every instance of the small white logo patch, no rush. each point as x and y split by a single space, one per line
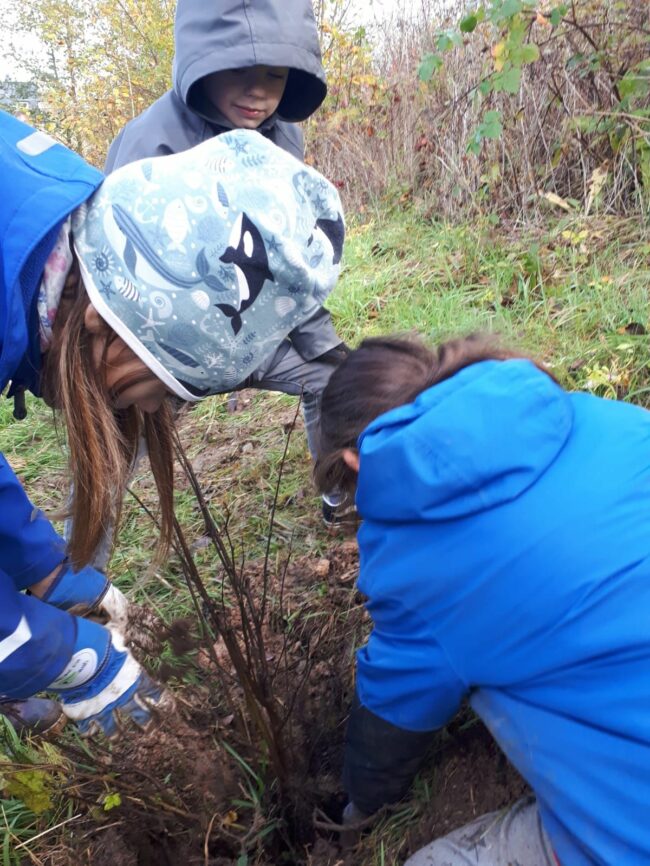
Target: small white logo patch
36 143
78 671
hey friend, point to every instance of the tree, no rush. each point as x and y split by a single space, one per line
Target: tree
101 63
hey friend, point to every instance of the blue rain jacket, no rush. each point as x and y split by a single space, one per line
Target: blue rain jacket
505 552
40 184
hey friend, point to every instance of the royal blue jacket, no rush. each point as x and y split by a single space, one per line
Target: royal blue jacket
505 552
41 182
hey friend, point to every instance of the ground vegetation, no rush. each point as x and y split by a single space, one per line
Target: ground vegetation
495 164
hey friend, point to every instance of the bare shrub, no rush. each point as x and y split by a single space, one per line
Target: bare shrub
249 761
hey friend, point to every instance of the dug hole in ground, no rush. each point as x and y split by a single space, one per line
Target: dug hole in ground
185 793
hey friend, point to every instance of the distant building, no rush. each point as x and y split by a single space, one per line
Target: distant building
18 96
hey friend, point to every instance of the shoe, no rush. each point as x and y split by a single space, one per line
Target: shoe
341 517
34 715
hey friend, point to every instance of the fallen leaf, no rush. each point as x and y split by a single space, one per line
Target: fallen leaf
322 568
230 818
555 199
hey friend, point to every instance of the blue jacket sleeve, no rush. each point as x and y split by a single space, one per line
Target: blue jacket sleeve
403 674
405 687
36 642
30 549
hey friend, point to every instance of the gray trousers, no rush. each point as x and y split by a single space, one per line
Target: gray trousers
285 371
511 837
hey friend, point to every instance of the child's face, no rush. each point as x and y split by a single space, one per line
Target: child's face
247 96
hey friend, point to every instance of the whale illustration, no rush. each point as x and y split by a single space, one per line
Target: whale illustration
334 231
246 251
143 262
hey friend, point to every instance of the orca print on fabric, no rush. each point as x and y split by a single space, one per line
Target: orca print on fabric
205 260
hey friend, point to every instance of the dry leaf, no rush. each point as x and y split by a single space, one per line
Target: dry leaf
554 199
596 183
322 568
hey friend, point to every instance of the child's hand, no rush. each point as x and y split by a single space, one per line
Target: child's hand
85 592
103 688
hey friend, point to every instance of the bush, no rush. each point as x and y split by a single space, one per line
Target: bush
514 108
510 109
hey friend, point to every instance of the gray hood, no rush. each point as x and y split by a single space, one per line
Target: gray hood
230 34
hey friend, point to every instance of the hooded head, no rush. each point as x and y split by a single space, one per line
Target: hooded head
41 182
204 261
236 34
457 428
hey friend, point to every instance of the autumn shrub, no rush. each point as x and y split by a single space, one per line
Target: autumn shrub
511 107
364 137
105 61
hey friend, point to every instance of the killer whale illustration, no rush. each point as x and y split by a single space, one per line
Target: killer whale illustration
247 253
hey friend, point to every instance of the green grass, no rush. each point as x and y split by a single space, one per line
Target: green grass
575 295
558 294
566 294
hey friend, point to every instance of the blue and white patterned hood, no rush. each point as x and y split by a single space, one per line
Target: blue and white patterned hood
204 261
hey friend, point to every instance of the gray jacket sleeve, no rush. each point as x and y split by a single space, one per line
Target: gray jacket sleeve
165 127
316 336
127 147
289 136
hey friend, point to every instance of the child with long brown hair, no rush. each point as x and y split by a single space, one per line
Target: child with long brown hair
505 555
177 275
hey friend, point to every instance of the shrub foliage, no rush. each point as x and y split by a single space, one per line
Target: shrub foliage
513 106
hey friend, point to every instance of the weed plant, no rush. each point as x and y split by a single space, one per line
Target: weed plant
524 109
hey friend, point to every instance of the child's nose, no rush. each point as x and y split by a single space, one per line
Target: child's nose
256 84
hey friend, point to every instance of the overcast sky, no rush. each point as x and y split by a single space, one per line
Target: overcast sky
366 11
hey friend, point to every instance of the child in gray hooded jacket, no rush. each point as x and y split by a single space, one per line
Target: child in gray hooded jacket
252 65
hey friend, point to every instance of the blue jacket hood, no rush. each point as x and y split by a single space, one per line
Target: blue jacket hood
41 182
474 441
231 34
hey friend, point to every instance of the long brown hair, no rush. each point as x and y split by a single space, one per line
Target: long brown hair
383 373
102 442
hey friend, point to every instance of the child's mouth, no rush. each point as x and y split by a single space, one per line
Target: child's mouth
252 113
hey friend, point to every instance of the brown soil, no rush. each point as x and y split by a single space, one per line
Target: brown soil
171 781
185 801
177 785
472 777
